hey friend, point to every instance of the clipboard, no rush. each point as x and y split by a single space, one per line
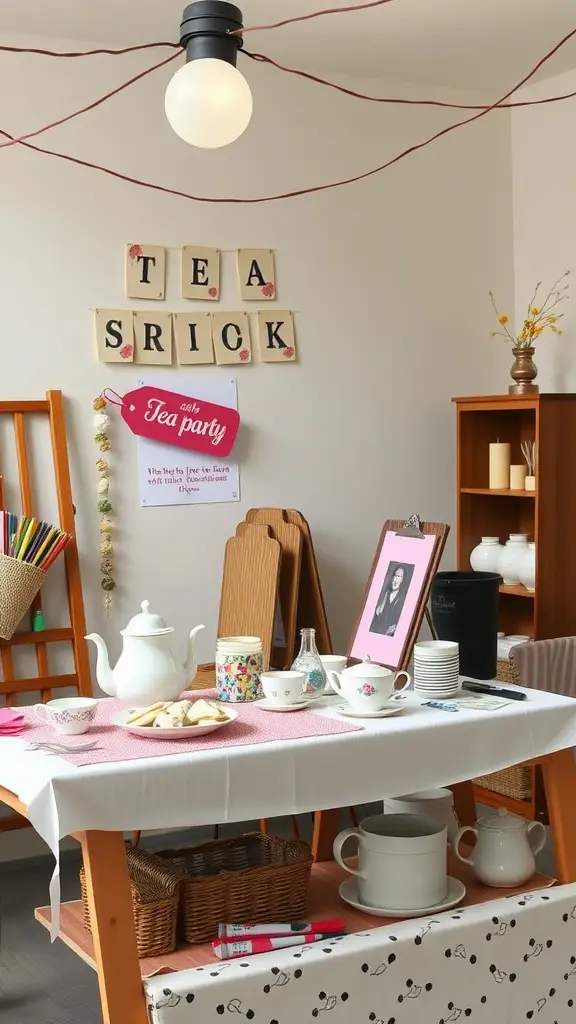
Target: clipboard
414 528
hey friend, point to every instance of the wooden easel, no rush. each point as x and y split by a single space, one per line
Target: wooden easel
301 599
45 682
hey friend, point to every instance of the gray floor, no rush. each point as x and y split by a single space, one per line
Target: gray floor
40 983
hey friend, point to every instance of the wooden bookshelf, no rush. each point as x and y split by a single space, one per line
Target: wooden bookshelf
547 514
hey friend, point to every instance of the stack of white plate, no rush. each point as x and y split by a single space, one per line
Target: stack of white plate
436 669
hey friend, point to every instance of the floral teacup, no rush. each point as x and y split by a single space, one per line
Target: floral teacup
70 716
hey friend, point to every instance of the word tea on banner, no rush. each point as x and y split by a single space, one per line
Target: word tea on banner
136 336
145 270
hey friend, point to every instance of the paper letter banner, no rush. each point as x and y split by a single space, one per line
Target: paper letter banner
145 271
181 421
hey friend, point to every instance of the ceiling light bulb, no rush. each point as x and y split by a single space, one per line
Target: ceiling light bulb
208 103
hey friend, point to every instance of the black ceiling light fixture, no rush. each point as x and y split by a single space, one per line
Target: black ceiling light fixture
208 101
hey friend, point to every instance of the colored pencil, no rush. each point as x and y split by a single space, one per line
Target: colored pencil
31 540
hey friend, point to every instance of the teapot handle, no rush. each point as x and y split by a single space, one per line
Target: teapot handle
458 837
536 844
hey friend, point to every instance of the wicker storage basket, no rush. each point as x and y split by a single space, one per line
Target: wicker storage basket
19 584
249 879
512 782
154 885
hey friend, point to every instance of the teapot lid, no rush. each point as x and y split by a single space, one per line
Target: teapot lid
367 668
146 623
502 821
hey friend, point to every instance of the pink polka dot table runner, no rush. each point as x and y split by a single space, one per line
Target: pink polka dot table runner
251 726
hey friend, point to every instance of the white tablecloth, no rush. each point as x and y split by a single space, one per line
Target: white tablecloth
505 962
422 748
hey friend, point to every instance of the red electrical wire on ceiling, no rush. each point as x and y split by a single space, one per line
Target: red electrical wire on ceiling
482 110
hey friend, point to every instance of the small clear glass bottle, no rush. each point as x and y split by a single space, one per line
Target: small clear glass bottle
308 662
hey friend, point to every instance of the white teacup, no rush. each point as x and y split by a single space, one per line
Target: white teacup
70 716
401 861
283 687
367 687
332 663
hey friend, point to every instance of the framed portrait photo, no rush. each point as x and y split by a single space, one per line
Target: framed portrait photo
395 598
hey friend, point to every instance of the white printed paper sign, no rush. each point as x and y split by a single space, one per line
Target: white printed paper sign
173 476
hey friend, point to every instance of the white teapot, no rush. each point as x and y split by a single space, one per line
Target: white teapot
504 851
145 671
367 687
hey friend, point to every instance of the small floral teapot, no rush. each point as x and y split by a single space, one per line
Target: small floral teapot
367 687
505 848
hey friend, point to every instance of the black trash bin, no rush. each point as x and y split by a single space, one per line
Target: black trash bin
465 609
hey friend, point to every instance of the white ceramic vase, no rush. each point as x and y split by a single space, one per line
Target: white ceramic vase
486 555
511 558
528 567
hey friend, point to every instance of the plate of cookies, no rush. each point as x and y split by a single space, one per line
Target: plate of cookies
180 719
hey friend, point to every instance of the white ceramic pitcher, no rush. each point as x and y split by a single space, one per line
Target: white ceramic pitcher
505 850
401 861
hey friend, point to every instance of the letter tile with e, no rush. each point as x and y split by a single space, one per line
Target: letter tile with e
231 337
200 273
276 337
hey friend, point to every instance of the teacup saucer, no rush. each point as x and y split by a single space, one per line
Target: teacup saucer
455 894
392 708
267 705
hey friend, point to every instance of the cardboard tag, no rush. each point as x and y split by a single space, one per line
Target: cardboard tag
182 421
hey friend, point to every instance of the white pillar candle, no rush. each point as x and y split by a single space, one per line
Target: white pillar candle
517 477
499 475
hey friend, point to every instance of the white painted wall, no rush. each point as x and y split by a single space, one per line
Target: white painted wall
544 151
388 278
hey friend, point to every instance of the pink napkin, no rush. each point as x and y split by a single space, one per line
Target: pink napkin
11 722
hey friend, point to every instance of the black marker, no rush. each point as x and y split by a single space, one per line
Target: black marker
493 691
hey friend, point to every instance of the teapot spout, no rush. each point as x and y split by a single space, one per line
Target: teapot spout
191 663
104 675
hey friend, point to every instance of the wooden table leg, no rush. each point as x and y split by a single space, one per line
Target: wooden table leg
464 803
326 828
559 774
110 902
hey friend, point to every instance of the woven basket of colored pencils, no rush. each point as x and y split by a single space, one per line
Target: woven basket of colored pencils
154 887
253 878
19 584
28 547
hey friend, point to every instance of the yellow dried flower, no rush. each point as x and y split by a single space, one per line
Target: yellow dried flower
105 548
534 311
99 403
103 485
102 466
503 319
105 526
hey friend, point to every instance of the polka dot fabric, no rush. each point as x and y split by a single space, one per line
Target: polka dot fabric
509 961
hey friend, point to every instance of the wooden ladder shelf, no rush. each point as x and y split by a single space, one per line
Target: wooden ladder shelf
45 682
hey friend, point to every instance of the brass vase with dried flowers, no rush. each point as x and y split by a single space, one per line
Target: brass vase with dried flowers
539 318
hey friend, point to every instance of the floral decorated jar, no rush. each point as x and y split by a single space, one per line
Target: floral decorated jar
238 669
